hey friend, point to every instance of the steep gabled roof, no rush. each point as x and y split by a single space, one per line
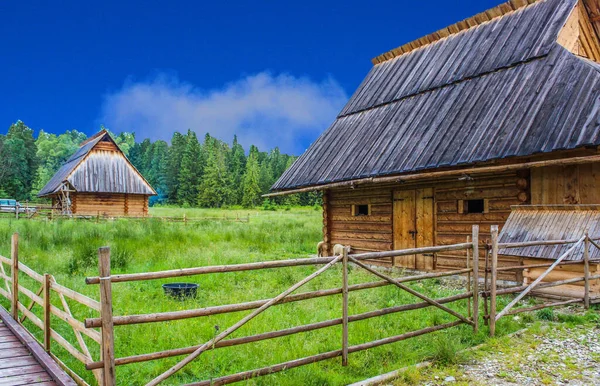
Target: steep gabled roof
499 89
91 170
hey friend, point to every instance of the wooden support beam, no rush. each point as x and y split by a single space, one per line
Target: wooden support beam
345 307
475 241
108 343
494 277
47 304
14 255
586 272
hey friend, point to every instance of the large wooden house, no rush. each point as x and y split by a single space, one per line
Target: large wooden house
453 129
99 180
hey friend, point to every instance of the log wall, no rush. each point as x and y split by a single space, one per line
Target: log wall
110 205
563 272
375 231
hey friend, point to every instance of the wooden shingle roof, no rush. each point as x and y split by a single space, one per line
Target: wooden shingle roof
94 170
550 222
500 89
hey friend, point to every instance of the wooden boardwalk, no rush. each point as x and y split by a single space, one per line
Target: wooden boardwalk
23 361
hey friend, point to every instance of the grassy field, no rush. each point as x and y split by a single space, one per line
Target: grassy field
68 250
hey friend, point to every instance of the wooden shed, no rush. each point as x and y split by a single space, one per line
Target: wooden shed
99 180
454 128
553 222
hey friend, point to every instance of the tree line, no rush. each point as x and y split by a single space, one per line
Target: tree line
187 172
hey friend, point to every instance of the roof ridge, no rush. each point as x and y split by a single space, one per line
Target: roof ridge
463 25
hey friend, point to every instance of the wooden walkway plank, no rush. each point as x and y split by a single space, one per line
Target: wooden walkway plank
23 359
29 369
25 379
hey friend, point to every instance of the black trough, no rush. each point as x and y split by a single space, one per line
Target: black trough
180 290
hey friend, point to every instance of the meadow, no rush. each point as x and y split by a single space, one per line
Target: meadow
68 250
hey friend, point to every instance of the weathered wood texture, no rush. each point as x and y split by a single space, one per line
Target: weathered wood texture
430 208
564 272
577 184
99 166
552 222
496 91
110 204
23 361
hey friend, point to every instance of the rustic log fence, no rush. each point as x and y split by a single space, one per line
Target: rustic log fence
491 290
43 299
108 321
47 212
101 329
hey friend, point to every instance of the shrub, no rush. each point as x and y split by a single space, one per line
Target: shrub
446 350
545 314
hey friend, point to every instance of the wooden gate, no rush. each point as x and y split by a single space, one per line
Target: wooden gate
413 226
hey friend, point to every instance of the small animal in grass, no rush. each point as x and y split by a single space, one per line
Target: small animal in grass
322 249
338 249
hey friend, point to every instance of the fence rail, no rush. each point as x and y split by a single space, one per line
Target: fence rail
43 299
101 328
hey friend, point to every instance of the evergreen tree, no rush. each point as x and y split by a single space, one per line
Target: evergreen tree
191 171
237 166
18 169
214 188
174 165
251 185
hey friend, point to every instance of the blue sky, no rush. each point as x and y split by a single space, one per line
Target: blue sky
274 72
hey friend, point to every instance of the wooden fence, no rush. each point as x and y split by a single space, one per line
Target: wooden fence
46 212
42 297
491 290
101 329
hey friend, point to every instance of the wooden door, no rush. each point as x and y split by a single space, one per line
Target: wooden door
424 213
405 226
413 226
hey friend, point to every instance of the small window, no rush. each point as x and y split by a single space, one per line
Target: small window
361 210
474 206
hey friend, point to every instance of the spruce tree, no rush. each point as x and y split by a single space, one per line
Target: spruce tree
191 171
251 184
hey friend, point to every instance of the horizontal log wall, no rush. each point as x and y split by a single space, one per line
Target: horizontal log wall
92 204
375 231
563 272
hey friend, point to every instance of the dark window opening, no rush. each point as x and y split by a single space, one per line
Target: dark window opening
474 206
361 210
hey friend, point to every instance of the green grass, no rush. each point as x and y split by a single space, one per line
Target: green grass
68 249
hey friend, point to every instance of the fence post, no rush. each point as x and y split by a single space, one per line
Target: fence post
586 270
14 256
469 314
16 210
475 286
108 343
345 307
47 312
494 272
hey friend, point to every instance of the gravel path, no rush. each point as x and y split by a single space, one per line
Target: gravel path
560 356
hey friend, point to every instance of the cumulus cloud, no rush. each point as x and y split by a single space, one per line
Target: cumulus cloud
263 109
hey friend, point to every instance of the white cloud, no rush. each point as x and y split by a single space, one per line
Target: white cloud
262 109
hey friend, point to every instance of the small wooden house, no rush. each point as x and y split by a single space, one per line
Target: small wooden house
99 180
453 129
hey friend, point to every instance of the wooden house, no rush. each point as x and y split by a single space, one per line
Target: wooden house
99 180
453 129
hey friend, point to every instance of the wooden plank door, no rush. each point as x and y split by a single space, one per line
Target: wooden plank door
405 225
413 226
424 213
